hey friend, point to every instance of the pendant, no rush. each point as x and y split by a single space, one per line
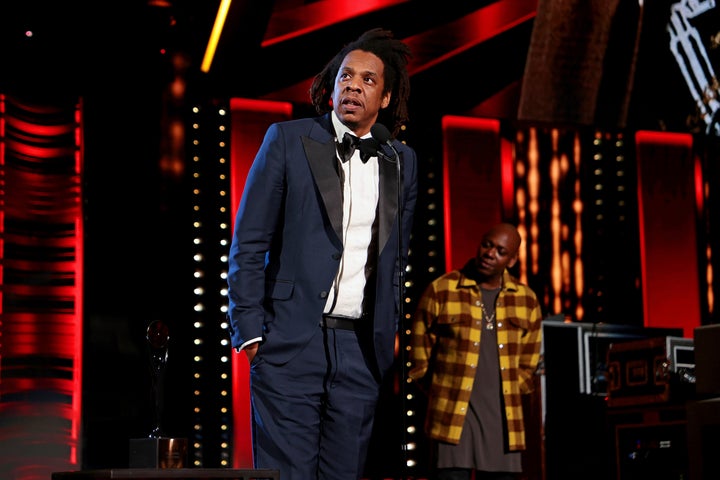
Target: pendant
489 326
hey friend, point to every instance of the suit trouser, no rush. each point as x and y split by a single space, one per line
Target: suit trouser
313 416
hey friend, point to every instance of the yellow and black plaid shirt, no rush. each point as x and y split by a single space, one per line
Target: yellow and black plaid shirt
446 343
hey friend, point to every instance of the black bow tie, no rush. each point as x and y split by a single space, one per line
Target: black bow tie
350 142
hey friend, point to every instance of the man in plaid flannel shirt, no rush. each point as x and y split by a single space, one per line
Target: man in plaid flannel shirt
475 348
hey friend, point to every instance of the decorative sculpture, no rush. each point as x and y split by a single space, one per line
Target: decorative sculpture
158 337
158 450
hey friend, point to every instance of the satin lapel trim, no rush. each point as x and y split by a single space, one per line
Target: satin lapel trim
388 207
324 165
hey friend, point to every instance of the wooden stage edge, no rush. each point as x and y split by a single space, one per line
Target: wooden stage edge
161 473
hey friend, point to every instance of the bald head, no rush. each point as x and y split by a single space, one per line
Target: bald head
497 251
510 232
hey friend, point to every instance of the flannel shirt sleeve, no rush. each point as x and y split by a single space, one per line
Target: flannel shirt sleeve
422 338
530 349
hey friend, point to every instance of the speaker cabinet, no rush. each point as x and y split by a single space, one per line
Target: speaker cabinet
703 428
707 360
650 442
578 436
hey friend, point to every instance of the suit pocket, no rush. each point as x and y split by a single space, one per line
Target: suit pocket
279 289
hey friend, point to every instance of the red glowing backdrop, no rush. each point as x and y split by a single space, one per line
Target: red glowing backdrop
618 217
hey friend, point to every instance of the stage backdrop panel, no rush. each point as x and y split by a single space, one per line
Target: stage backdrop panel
668 230
473 183
249 119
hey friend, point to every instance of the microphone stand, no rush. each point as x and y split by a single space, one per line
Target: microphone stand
401 310
401 313
382 135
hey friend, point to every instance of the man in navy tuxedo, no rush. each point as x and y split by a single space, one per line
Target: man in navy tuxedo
315 266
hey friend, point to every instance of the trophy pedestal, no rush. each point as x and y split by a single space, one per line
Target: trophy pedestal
161 452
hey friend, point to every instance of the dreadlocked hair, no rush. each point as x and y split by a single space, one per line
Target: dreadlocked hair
394 55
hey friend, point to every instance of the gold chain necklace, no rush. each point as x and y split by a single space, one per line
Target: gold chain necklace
489 319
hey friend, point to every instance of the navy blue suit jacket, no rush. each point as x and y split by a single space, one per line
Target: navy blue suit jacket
287 244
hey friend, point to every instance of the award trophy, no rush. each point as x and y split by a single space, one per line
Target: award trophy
158 450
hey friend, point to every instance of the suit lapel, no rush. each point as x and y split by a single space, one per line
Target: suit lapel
388 203
323 162
324 165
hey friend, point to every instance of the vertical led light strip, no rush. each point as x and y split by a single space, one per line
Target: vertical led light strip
412 431
212 408
224 231
197 443
424 264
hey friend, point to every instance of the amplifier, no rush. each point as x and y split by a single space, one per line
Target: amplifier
681 354
652 451
643 371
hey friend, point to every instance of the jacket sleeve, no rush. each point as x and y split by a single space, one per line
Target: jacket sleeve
255 223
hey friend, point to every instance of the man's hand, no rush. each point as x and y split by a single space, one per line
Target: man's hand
251 351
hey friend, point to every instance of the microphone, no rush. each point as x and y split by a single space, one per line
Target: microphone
382 135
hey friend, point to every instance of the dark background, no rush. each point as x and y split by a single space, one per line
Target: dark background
122 60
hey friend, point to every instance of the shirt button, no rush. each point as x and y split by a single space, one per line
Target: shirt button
499 324
477 303
462 409
336 256
323 294
502 345
472 365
